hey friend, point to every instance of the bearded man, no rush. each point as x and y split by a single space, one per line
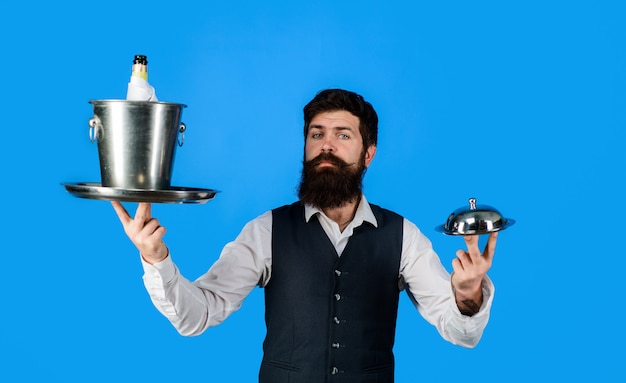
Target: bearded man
332 265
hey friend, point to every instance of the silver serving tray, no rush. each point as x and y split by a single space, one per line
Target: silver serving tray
173 195
475 220
484 228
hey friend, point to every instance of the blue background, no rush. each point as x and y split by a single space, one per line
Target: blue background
520 104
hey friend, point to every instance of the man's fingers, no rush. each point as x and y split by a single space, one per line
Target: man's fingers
472 246
457 265
142 215
463 258
151 226
121 212
471 241
144 212
490 247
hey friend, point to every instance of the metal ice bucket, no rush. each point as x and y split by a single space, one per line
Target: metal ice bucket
136 142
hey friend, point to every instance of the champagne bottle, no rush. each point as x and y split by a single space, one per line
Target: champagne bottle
140 67
138 88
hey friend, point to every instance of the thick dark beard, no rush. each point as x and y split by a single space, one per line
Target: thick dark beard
333 186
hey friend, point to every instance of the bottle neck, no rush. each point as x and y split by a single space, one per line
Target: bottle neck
140 70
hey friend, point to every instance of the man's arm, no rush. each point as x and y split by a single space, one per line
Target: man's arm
429 286
470 268
192 307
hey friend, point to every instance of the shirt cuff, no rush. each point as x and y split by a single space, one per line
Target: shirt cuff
164 270
488 293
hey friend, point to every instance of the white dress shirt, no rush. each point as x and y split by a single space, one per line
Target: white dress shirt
245 263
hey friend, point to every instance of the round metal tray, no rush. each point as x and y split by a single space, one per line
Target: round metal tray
173 195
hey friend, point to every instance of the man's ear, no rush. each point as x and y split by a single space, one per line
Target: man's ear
369 155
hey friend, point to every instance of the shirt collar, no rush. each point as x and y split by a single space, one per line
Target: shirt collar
363 213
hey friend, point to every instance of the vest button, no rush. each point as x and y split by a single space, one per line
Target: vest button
337 297
336 320
338 273
334 370
336 345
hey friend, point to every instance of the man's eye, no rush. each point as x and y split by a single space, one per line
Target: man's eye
316 135
344 136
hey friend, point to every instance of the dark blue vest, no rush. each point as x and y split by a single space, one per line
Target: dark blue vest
330 318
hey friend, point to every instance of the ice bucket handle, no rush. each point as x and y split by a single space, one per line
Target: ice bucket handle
181 138
95 127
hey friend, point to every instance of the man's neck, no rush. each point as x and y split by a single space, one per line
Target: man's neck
343 214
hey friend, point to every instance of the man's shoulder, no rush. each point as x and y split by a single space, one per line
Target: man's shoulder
376 209
286 207
294 210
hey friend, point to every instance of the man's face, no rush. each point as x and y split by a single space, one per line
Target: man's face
334 161
338 133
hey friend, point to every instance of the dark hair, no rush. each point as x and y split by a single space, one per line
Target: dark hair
331 100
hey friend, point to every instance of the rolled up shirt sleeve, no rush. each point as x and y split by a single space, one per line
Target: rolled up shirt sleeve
428 285
192 307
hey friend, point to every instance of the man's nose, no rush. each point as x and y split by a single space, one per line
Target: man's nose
328 145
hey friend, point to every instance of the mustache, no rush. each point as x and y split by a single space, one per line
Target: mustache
327 157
